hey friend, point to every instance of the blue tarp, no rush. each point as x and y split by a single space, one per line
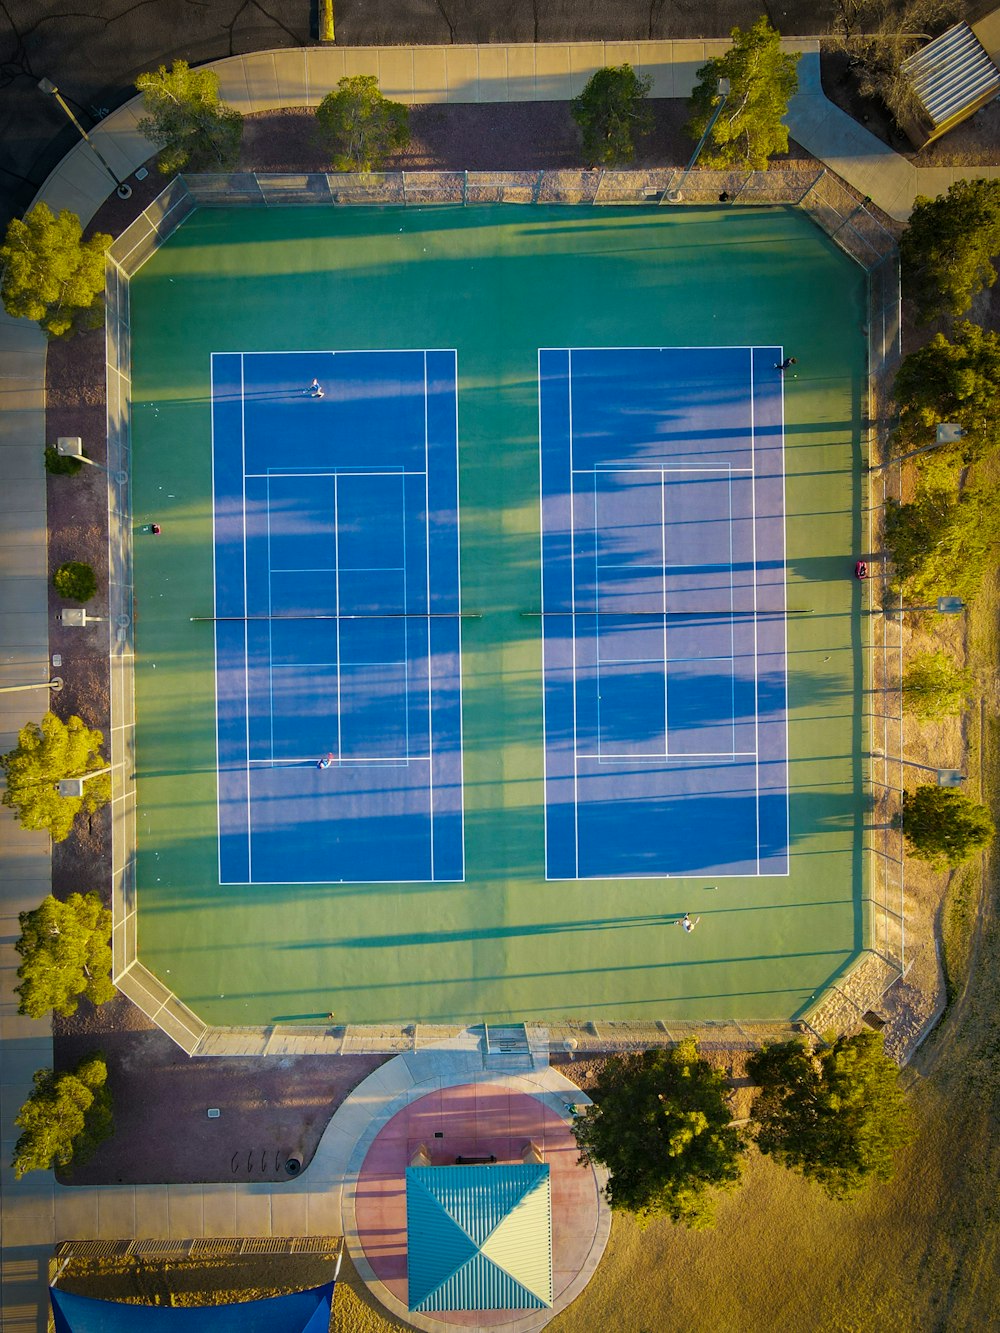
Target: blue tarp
299 1312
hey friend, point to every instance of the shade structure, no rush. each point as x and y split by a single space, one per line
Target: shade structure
479 1237
297 1312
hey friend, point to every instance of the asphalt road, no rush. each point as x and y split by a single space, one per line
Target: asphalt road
95 49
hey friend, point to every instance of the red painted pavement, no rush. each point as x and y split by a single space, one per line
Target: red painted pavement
476 1120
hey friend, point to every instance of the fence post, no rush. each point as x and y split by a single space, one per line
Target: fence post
537 189
465 188
811 186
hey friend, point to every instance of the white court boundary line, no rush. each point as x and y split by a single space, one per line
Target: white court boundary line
751 349
402 472
336 569
723 470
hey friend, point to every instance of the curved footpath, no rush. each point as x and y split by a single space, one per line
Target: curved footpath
36 1212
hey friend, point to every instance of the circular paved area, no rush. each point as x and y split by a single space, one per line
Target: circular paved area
474 1120
478 1112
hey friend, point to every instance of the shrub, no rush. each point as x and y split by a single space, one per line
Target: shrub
60 465
75 580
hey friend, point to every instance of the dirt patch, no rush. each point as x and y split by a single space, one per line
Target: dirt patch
586 1072
491 136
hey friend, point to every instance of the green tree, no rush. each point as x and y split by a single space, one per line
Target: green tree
934 687
65 1117
611 111
51 274
949 248
660 1123
761 80
359 127
66 949
944 826
194 129
44 754
951 381
941 543
836 1115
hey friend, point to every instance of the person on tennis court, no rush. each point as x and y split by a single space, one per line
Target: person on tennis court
315 389
687 923
783 365
325 762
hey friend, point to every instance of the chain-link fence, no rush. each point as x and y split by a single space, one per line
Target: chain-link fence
828 201
128 253
884 639
848 221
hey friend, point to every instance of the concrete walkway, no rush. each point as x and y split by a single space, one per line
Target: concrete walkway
36 1212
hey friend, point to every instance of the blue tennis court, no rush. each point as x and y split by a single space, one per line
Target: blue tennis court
337 612
663 578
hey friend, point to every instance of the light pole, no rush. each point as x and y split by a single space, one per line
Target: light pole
676 194
947 432
944 606
71 446
47 86
74 786
55 685
946 777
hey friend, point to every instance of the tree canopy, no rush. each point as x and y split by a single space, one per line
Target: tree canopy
943 826
194 129
611 111
837 1115
66 947
941 543
65 1117
359 127
45 754
51 274
949 248
761 80
934 687
660 1124
956 380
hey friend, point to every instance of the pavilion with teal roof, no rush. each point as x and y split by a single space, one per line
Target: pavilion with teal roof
479 1237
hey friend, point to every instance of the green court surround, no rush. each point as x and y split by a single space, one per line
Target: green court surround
496 283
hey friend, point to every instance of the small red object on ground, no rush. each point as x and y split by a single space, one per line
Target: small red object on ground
861 569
